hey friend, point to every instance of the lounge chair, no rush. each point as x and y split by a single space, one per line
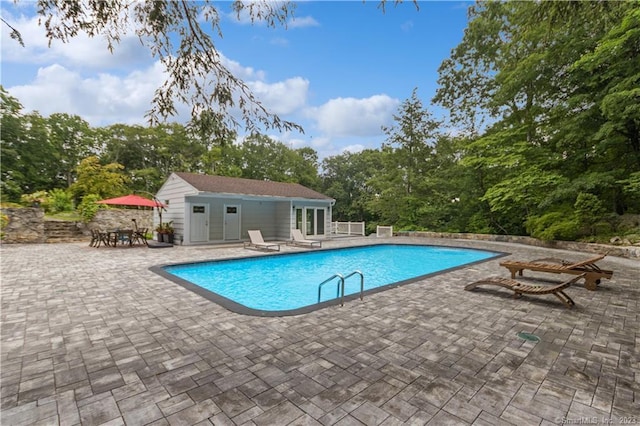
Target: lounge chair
299 239
258 242
587 268
521 288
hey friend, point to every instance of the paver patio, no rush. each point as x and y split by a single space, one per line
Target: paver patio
91 336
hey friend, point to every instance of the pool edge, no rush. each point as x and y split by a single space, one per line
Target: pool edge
238 308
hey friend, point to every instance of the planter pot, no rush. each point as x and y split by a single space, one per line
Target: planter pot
165 238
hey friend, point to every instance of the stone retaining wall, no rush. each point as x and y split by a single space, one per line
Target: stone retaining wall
122 219
26 224
632 252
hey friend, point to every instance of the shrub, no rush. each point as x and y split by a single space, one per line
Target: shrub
88 207
4 221
59 201
559 225
589 210
602 228
36 199
165 228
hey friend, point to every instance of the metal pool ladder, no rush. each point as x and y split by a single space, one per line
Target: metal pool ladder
341 285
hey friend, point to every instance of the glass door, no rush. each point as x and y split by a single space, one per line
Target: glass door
299 219
313 221
320 222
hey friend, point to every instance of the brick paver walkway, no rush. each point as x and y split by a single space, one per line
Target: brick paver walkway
91 336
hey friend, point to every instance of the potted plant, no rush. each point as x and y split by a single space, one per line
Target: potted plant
165 232
168 232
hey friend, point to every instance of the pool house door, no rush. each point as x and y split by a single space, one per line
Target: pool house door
231 222
199 223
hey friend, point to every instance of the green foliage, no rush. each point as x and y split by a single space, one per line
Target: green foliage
165 228
72 139
4 221
93 178
589 210
559 83
349 178
36 199
559 225
59 201
89 207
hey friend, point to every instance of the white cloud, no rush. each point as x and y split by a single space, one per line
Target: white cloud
302 22
279 41
240 71
83 51
407 26
101 100
354 117
353 148
284 97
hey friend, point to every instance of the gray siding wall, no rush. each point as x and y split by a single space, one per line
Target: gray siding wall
259 215
270 217
286 217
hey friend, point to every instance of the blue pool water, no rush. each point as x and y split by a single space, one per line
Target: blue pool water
289 282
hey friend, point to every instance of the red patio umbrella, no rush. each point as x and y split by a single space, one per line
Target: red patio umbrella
133 200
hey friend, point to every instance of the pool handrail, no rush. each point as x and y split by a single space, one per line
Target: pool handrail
328 280
341 285
361 285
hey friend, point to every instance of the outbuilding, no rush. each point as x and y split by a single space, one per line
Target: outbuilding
207 209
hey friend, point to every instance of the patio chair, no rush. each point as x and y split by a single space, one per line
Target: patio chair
99 237
587 268
520 288
258 242
95 238
299 240
140 236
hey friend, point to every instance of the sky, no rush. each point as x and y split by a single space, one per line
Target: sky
340 69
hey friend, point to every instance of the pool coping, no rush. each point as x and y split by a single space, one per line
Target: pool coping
238 308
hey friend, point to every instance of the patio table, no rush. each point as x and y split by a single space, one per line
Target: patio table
124 236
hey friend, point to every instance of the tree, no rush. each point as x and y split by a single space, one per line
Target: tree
547 94
263 158
73 139
12 132
95 179
136 149
29 160
347 178
407 160
179 35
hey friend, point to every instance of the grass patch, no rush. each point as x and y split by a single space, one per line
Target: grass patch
64 216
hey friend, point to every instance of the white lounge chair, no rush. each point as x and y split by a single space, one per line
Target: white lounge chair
299 239
258 242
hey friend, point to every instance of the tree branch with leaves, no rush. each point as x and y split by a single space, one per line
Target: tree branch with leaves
179 34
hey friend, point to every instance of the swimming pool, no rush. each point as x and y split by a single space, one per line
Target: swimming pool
288 284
